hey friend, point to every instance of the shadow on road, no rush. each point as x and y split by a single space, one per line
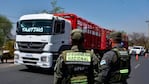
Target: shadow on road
40 71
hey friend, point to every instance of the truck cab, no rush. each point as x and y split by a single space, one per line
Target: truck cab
40 38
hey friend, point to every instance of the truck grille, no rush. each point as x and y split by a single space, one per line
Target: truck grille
33 47
26 58
30 60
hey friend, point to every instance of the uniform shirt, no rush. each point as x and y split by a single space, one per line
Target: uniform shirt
59 69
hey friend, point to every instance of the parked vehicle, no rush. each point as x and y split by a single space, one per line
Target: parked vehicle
139 50
8 47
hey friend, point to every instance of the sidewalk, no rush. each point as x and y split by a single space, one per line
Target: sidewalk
8 61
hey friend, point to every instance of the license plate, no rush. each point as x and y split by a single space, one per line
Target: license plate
28 54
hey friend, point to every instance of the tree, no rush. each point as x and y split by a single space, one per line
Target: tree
5 29
55 8
138 39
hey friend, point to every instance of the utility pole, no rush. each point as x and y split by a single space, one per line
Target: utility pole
148 26
148 32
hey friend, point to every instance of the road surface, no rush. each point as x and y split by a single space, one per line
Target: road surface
14 74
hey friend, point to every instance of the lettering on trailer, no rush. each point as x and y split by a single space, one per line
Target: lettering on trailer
32 29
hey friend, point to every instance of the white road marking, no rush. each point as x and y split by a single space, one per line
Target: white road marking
137 66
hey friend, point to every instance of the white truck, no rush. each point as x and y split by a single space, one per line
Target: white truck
40 38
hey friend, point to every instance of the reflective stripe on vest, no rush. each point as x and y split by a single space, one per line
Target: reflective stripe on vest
123 53
124 71
79 80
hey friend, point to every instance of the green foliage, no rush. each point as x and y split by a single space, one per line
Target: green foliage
5 29
1 40
5 25
138 39
55 8
9 45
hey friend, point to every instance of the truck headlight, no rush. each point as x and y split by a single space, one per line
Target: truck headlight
16 56
43 59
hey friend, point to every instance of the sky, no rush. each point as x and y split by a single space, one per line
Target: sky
120 15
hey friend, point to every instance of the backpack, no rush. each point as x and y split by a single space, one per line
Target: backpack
123 62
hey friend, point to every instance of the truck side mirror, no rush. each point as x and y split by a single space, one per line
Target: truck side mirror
17 24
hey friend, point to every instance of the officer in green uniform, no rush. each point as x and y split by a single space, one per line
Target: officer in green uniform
115 63
77 66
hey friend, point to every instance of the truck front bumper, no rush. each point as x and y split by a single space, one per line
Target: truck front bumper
43 60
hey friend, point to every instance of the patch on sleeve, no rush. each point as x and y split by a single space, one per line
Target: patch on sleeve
103 62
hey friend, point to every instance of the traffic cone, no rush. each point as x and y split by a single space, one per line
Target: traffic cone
137 57
146 54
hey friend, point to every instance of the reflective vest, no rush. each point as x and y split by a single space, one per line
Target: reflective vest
121 68
78 66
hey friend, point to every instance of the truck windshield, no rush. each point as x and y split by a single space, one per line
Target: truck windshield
35 27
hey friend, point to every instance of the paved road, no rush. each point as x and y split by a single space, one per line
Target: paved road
140 71
12 74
